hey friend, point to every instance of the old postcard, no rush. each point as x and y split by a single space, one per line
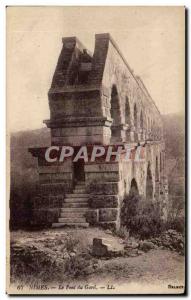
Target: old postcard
96 143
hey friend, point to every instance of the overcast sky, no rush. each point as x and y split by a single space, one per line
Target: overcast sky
151 39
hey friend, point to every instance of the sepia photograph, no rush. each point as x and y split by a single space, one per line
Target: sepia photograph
96 150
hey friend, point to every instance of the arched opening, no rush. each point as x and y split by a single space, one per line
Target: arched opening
135 117
115 114
127 112
156 170
142 126
134 188
130 204
157 187
160 162
149 184
141 120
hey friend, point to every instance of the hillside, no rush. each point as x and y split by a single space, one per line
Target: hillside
174 134
23 165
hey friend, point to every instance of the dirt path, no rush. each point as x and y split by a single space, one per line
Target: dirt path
146 272
155 265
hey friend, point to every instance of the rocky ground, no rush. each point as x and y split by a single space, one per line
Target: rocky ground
95 255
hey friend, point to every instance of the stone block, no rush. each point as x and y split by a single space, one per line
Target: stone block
78 140
60 177
56 188
105 176
105 247
104 188
103 167
113 225
92 216
45 216
102 201
65 167
82 131
108 214
53 215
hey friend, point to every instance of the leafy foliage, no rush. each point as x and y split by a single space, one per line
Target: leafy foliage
141 218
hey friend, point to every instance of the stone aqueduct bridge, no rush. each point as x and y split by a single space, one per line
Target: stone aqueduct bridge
96 99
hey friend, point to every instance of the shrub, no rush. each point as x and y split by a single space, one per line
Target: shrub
122 232
177 224
141 217
70 243
77 265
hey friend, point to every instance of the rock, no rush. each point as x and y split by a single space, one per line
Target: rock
146 246
166 243
72 254
95 266
103 247
181 245
108 231
131 244
133 254
171 231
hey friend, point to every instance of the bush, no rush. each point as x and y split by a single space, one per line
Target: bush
122 232
77 265
50 260
140 217
177 224
31 263
71 243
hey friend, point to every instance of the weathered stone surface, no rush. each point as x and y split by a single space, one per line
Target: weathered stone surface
55 188
92 216
104 188
112 225
105 176
55 177
45 216
103 167
146 246
108 214
101 201
103 247
97 99
48 201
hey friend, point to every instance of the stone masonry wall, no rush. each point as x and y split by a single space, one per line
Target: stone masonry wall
97 99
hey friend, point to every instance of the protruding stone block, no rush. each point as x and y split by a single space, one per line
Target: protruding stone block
106 247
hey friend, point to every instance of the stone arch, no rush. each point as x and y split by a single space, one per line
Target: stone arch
149 183
127 111
133 188
147 126
160 162
142 125
157 169
135 117
115 114
157 179
141 120
135 114
130 203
